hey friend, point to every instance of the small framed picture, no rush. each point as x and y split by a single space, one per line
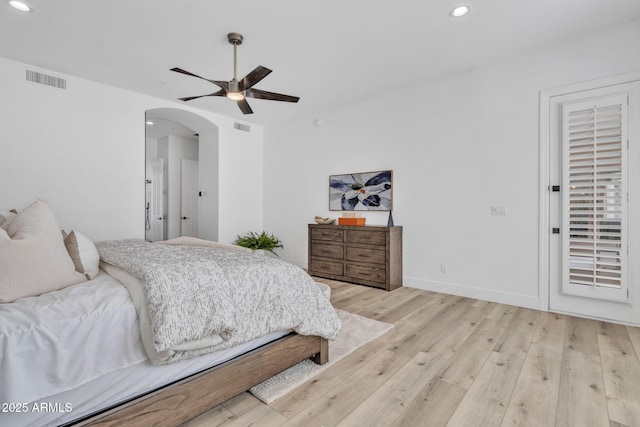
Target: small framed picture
365 191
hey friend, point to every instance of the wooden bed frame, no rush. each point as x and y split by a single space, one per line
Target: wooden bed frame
186 399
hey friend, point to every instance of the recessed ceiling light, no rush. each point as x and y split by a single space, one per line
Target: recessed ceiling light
149 122
459 11
23 7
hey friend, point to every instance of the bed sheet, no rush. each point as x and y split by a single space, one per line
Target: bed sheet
62 339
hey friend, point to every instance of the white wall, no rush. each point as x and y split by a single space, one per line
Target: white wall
457 146
83 150
208 182
240 199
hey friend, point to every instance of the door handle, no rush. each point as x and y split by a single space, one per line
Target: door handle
184 217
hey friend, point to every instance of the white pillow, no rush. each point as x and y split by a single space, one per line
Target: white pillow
34 259
5 216
83 253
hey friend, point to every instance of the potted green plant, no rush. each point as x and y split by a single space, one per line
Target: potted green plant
263 241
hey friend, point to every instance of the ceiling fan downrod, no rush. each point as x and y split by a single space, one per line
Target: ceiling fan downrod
235 39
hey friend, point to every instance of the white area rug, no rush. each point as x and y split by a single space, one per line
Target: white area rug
356 331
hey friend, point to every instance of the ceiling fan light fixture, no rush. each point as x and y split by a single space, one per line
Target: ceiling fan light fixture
21 6
235 96
459 11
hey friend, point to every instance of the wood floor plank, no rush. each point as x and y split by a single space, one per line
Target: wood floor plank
242 403
582 335
487 399
461 369
502 313
263 416
535 399
398 311
485 304
433 309
355 302
389 302
432 407
613 330
621 370
634 336
214 417
435 329
386 404
581 399
447 341
548 340
518 334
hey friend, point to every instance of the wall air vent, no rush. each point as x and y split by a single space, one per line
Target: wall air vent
240 126
45 79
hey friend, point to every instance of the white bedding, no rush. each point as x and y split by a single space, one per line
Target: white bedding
48 338
48 346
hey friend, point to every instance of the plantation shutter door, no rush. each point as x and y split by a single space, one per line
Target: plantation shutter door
594 214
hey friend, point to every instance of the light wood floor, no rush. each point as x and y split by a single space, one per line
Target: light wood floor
461 362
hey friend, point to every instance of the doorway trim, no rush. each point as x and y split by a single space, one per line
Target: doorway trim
544 193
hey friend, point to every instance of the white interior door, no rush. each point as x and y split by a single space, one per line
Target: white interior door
589 193
156 205
189 196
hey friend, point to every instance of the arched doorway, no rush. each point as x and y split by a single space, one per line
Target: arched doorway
181 190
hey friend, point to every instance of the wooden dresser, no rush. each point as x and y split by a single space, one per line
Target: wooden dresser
367 255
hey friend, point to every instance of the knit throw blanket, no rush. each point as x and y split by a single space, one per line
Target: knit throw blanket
202 299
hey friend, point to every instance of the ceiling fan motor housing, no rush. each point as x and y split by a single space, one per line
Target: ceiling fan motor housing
235 38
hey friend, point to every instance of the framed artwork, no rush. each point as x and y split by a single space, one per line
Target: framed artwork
366 191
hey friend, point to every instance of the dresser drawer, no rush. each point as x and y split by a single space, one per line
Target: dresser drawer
371 274
366 255
324 250
328 267
366 237
327 233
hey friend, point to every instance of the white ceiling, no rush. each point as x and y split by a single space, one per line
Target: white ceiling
327 53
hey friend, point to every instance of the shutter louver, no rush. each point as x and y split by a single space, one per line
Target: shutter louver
595 189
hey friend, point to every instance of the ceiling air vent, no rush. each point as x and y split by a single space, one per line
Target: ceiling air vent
240 126
45 79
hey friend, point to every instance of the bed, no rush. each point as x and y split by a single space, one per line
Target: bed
88 353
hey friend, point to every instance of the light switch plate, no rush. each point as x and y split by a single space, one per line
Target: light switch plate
498 210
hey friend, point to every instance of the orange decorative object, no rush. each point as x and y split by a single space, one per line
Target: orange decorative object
352 221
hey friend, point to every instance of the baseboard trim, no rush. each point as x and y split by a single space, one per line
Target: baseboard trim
473 292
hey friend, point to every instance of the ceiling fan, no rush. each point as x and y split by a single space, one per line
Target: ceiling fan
239 90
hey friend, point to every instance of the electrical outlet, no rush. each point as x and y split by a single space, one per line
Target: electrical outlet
444 268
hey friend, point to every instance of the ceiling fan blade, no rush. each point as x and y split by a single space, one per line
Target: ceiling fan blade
254 77
272 96
244 106
218 93
223 85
